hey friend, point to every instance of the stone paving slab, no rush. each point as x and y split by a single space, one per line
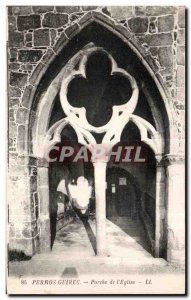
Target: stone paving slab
73 255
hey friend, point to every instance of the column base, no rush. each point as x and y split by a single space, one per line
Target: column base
176 257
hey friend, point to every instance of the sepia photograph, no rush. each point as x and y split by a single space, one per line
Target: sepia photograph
96 150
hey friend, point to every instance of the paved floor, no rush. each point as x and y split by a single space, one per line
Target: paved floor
73 252
125 238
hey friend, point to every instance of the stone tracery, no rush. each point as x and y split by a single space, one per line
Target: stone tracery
122 114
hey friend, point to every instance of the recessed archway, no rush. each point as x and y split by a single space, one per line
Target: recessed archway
128 56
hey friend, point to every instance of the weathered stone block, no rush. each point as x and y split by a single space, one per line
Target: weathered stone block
13 53
12 129
21 10
22 116
138 25
152 63
12 23
45 235
34 224
36 198
11 230
153 26
21 142
33 185
72 30
181 94
106 11
160 10
14 102
24 245
165 23
85 18
9 10
29 55
181 17
27 232
33 170
11 115
43 177
39 70
165 56
41 37
14 66
18 79
86 8
60 43
16 39
27 67
29 44
121 12
126 33
11 143
180 76
42 9
154 51
14 92
140 10
53 34
54 20
181 37
67 9
48 57
163 39
27 95
28 22
181 55
28 37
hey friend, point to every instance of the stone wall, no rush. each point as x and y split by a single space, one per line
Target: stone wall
33 35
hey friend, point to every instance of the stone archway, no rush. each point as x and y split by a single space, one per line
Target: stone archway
40 105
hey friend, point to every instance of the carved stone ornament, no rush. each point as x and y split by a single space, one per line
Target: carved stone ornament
121 114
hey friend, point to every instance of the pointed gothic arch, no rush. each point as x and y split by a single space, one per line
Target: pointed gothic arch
31 97
45 84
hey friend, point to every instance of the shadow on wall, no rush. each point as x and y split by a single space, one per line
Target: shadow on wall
14 255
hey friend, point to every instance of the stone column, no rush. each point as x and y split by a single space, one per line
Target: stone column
44 216
160 206
176 209
20 218
100 198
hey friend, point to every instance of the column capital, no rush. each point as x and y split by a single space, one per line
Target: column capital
103 160
169 159
159 160
33 161
42 162
173 159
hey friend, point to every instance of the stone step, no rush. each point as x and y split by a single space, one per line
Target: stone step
108 260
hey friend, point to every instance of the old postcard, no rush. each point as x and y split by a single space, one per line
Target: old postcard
96 171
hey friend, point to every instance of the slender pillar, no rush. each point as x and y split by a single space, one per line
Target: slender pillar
176 209
100 196
44 216
160 206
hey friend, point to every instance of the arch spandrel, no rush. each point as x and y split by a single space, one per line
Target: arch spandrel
126 37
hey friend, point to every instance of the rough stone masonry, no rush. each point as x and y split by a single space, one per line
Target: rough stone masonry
33 35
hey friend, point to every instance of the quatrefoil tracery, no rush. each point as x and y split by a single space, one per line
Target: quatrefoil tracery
122 114
78 114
